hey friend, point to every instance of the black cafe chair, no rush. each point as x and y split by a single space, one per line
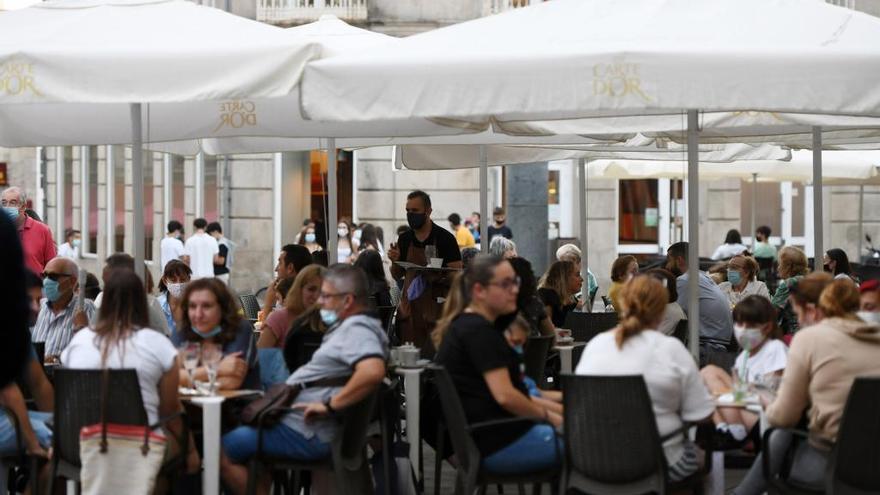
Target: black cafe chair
535 356
348 460
853 464
250 306
78 404
470 473
585 326
612 445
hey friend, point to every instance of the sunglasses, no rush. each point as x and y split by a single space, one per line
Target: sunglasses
55 276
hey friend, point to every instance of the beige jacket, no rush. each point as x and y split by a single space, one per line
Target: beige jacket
823 361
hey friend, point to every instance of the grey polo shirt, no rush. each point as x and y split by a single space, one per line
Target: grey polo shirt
344 345
716 322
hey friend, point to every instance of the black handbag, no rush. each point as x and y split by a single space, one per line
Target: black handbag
268 410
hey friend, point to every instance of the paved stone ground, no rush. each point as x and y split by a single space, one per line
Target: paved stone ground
732 478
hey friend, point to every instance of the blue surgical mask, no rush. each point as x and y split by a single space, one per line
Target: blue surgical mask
734 277
76 243
518 349
52 288
329 317
310 238
11 212
210 333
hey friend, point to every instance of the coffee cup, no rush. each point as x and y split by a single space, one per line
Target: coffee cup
436 263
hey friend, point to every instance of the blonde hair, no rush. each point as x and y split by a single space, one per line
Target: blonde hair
643 301
745 264
840 299
556 279
792 262
293 301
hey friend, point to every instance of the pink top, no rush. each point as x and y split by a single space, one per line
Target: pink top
37 244
278 323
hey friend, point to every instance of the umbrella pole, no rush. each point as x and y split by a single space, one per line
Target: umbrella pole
693 141
484 199
754 207
137 189
818 251
861 221
582 218
333 195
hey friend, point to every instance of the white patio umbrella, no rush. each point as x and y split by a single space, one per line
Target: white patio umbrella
577 59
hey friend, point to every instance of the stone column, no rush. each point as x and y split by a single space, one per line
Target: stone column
527 212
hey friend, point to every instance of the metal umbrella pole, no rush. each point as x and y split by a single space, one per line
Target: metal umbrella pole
333 198
754 207
818 220
693 141
484 199
582 218
137 189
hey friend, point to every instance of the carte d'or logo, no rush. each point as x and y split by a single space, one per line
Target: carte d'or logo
17 79
235 114
618 80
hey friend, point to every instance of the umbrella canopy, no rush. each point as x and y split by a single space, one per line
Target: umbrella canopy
838 168
439 157
573 58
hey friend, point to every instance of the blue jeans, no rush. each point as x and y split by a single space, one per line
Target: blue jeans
538 449
240 444
38 422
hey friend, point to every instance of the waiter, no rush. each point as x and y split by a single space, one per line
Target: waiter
423 291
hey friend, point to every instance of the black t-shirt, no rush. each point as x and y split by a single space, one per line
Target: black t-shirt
472 346
559 311
447 246
221 269
503 231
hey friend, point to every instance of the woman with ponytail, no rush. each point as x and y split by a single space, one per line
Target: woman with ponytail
634 347
485 369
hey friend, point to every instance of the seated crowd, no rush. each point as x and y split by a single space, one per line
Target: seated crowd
800 345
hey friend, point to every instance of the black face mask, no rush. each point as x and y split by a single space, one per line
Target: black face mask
416 220
827 268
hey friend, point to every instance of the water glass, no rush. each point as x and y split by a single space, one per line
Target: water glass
189 355
430 251
211 356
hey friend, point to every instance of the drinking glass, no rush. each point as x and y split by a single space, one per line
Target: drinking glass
430 252
189 354
211 356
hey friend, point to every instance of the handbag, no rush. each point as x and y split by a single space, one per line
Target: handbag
119 458
268 410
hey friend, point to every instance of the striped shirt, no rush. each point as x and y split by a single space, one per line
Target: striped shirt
57 329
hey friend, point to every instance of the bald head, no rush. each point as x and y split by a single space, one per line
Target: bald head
61 265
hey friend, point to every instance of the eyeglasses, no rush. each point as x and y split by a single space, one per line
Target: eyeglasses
12 202
508 283
55 276
322 296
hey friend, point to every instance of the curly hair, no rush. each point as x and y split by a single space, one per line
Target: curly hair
230 318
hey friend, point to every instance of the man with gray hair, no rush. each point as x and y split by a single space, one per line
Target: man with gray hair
502 247
570 252
36 238
347 367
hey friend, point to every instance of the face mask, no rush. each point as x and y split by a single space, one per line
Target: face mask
748 338
178 236
52 289
499 221
11 212
518 349
310 238
176 290
342 232
734 277
329 317
872 317
416 220
210 333
76 243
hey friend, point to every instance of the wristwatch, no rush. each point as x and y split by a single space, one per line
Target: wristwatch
330 410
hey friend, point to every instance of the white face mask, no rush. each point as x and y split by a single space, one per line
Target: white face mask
748 338
176 290
342 231
872 317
